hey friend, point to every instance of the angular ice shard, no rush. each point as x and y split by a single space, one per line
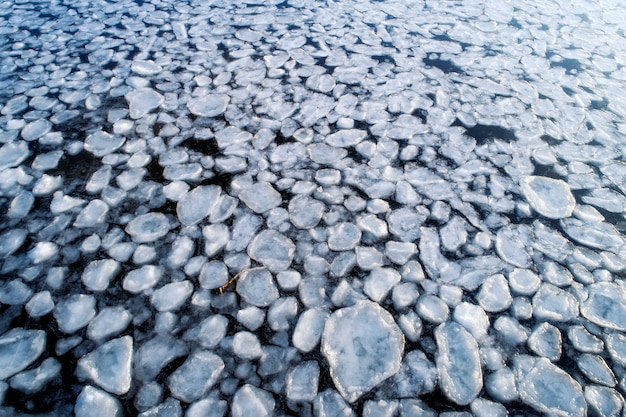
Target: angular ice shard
93 402
458 363
549 197
196 376
606 305
363 346
210 105
109 366
11 240
547 388
379 282
272 249
260 197
142 101
252 401
101 143
18 349
148 227
195 205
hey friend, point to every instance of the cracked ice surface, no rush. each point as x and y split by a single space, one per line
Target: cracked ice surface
298 208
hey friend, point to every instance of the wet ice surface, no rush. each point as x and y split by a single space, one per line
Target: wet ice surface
292 208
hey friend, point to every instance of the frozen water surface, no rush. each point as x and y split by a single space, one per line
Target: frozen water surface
299 208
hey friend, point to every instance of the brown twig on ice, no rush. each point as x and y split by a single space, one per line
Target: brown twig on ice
243 271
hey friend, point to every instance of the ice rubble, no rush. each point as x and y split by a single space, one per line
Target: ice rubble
195 211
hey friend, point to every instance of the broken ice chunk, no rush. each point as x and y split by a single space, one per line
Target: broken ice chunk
494 295
147 67
142 279
148 227
379 282
252 401
210 105
549 197
596 369
257 287
547 388
343 237
108 322
99 273
18 349
302 382
40 304
109 366
13 153
35 129
196 376
524 281
432 308
142 101
11 241
473 318
33 381
272 249
171 296
101 143
554 304
305 212
92 402
545 341
346 138
197 204
330 404
75 312
458 363
363 346
260 197
606 305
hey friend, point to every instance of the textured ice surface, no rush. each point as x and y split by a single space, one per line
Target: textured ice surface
606 305
250 400
363 347
92 402
209 105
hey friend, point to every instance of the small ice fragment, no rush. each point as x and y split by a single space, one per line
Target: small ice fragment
247 346
272 249
606 305
302 382
43 251
142 279
197 204
35 380
40 304
257 287
343 237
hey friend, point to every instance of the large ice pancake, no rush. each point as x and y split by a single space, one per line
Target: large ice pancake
363 346
549 197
